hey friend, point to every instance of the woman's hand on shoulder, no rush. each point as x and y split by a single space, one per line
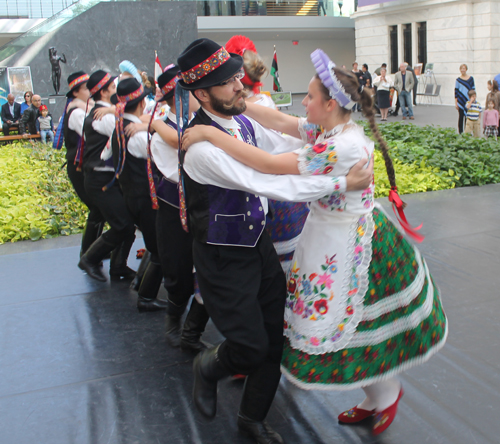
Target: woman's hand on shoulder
99 113
197 133
134 127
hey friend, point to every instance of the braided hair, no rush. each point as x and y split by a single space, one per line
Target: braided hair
351 85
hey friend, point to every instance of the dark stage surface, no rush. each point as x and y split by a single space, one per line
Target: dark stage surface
79 364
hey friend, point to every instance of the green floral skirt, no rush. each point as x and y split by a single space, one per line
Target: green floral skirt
403 321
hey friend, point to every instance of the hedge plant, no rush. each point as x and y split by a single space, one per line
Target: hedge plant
467 160
36 197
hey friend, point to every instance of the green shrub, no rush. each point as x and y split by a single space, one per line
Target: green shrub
467 160
36 198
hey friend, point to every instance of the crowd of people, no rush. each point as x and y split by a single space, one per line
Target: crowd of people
470 110
269 220
383 87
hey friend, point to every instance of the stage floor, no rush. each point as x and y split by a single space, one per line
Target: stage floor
80 365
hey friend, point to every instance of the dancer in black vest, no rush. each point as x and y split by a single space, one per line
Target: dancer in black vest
239 274
175 246
130 156
98 175
73 130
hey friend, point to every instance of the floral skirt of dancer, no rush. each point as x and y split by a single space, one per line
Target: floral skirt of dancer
401 322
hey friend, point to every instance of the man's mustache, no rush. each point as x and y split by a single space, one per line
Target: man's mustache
232 102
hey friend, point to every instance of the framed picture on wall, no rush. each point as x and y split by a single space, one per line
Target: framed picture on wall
19 81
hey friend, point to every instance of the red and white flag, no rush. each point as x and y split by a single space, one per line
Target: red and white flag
158 68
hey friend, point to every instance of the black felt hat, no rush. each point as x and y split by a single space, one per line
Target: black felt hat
75 80
98 80
127 87
205 63
167 81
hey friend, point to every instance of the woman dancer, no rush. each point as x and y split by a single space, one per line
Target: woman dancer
361 305
288 218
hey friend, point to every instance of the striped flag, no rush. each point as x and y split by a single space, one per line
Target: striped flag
158 68
274 73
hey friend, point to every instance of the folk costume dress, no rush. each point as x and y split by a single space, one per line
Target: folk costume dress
361 304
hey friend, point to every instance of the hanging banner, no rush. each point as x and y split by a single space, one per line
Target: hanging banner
4 85
19 82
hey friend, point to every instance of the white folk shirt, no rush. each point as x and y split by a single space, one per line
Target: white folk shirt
76 119
166 156
209 165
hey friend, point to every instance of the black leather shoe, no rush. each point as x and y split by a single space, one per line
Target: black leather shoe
150 304
260 431
173 330
125 273
207 371
93 270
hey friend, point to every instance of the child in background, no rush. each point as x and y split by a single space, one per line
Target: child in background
473 114
490 121
44 125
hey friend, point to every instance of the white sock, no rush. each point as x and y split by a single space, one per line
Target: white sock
380 395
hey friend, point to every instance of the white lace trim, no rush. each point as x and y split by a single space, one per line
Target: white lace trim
356 300
365 382
284 247
373 337
303 133
400 299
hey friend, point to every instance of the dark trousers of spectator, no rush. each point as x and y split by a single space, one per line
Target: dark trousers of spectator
321 5
6 128
461 120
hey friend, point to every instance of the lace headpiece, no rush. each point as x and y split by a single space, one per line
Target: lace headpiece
324 67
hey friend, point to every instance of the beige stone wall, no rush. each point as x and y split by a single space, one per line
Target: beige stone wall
458 31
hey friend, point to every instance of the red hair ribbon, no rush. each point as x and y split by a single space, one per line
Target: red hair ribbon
398 206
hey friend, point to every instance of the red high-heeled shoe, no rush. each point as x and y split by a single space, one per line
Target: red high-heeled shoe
384 418
355 415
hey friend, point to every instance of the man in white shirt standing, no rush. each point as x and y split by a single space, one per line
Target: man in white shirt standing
238 271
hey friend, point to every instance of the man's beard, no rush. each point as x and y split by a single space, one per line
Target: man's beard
227 108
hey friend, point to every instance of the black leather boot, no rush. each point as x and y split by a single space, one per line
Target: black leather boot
148 291
118 264
173 323
90 234
91 260
260 431
194 326
136 282
207 370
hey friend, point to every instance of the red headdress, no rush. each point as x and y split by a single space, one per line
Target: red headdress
238 44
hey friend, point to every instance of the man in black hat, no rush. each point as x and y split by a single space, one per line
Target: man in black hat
103 191
130 156
73 118
174 244
238 270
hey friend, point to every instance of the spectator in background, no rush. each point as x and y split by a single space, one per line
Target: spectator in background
27 124
473 114
490 121
366 74
384 83
463 85
361 80
321 5
493 94
404 83
27 101
11 113
415 79
45 126
378 70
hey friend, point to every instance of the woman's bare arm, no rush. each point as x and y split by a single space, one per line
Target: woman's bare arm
167 133
247 154
276 120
